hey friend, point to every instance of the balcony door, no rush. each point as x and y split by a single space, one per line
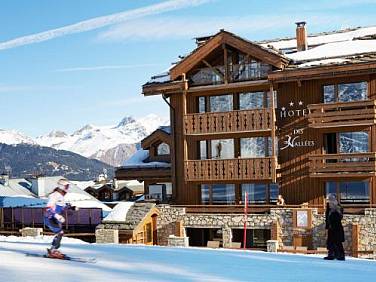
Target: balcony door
346 142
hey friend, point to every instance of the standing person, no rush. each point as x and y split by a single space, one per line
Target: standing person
53 217
336 235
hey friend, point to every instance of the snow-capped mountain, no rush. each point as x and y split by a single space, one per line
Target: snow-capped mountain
110 144
13 137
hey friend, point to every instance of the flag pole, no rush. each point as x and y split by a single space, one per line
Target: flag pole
245 220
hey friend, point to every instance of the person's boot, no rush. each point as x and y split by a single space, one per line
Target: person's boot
329 258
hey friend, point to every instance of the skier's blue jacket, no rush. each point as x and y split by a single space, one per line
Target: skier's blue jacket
56 206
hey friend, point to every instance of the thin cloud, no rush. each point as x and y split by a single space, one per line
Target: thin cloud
100 22
106 67
175 27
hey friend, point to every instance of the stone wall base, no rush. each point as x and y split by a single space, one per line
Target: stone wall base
174 241
32 232
107 236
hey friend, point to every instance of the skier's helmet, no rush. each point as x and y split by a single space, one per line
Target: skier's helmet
63 185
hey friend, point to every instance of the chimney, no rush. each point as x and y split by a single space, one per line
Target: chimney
301 36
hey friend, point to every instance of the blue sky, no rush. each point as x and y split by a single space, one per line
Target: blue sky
92 72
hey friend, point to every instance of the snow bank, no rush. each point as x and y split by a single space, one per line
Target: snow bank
119 212
144 263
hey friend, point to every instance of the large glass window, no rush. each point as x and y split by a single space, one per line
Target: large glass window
274 192
255 147
349 192
223 103
353 142
218 194
256 192
345 92
253 100
222 149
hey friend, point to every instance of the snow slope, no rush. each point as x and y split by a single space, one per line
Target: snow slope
142 263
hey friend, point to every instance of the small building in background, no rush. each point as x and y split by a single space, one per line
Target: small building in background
151 165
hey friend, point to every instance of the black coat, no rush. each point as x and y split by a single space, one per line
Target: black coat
334 225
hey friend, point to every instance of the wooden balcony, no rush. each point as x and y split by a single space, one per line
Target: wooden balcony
229 122
358 113
343 165
230 169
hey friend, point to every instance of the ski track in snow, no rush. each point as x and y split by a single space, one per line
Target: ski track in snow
144 263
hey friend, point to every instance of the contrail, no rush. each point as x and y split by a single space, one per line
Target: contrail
100 22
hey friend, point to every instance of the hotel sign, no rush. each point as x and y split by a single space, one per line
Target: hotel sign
296 138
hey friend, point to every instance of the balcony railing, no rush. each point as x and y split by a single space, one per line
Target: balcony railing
343 165
230 169
229 122
342 114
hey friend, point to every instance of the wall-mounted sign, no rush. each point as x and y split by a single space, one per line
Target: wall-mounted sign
286 112
296 138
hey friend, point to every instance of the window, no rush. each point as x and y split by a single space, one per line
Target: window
218 194
163 149
253 100
201 104
223 103
256 193
349 192
345 92
255 147
203 150
222 149
353 142
273 193
348 142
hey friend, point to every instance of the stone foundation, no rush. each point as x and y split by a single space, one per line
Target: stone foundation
107 236
32 232
280 217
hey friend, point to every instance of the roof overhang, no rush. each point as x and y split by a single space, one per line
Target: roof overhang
319 72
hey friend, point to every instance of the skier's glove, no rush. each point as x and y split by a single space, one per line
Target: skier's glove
59 218
70 207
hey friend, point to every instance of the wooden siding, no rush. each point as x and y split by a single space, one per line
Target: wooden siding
228 122
250 169
343 165
342 114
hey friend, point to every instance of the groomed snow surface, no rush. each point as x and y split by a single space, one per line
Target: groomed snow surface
142 263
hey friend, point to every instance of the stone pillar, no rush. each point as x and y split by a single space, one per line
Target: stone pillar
32 232
107 236
226 237
272 246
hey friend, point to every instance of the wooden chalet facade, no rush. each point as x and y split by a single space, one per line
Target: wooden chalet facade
271 118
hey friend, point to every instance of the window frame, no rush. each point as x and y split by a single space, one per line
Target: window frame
336 91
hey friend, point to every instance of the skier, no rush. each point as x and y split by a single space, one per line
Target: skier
53 217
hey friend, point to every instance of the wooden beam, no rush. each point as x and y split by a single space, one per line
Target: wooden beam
225 63
274 165
214 69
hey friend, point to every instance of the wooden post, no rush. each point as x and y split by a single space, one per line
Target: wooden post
355 240
274 162
225 63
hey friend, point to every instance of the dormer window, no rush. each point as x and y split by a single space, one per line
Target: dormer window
163 149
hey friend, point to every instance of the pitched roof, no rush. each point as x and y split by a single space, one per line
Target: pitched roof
347 46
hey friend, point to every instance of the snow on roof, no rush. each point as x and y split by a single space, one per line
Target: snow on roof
160 78
323 38
333 50
137 160
13 189
119 212
166 129
83 184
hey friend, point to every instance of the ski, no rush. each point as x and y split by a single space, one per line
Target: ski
76 259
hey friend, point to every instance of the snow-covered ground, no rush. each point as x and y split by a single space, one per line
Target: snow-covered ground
142 263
